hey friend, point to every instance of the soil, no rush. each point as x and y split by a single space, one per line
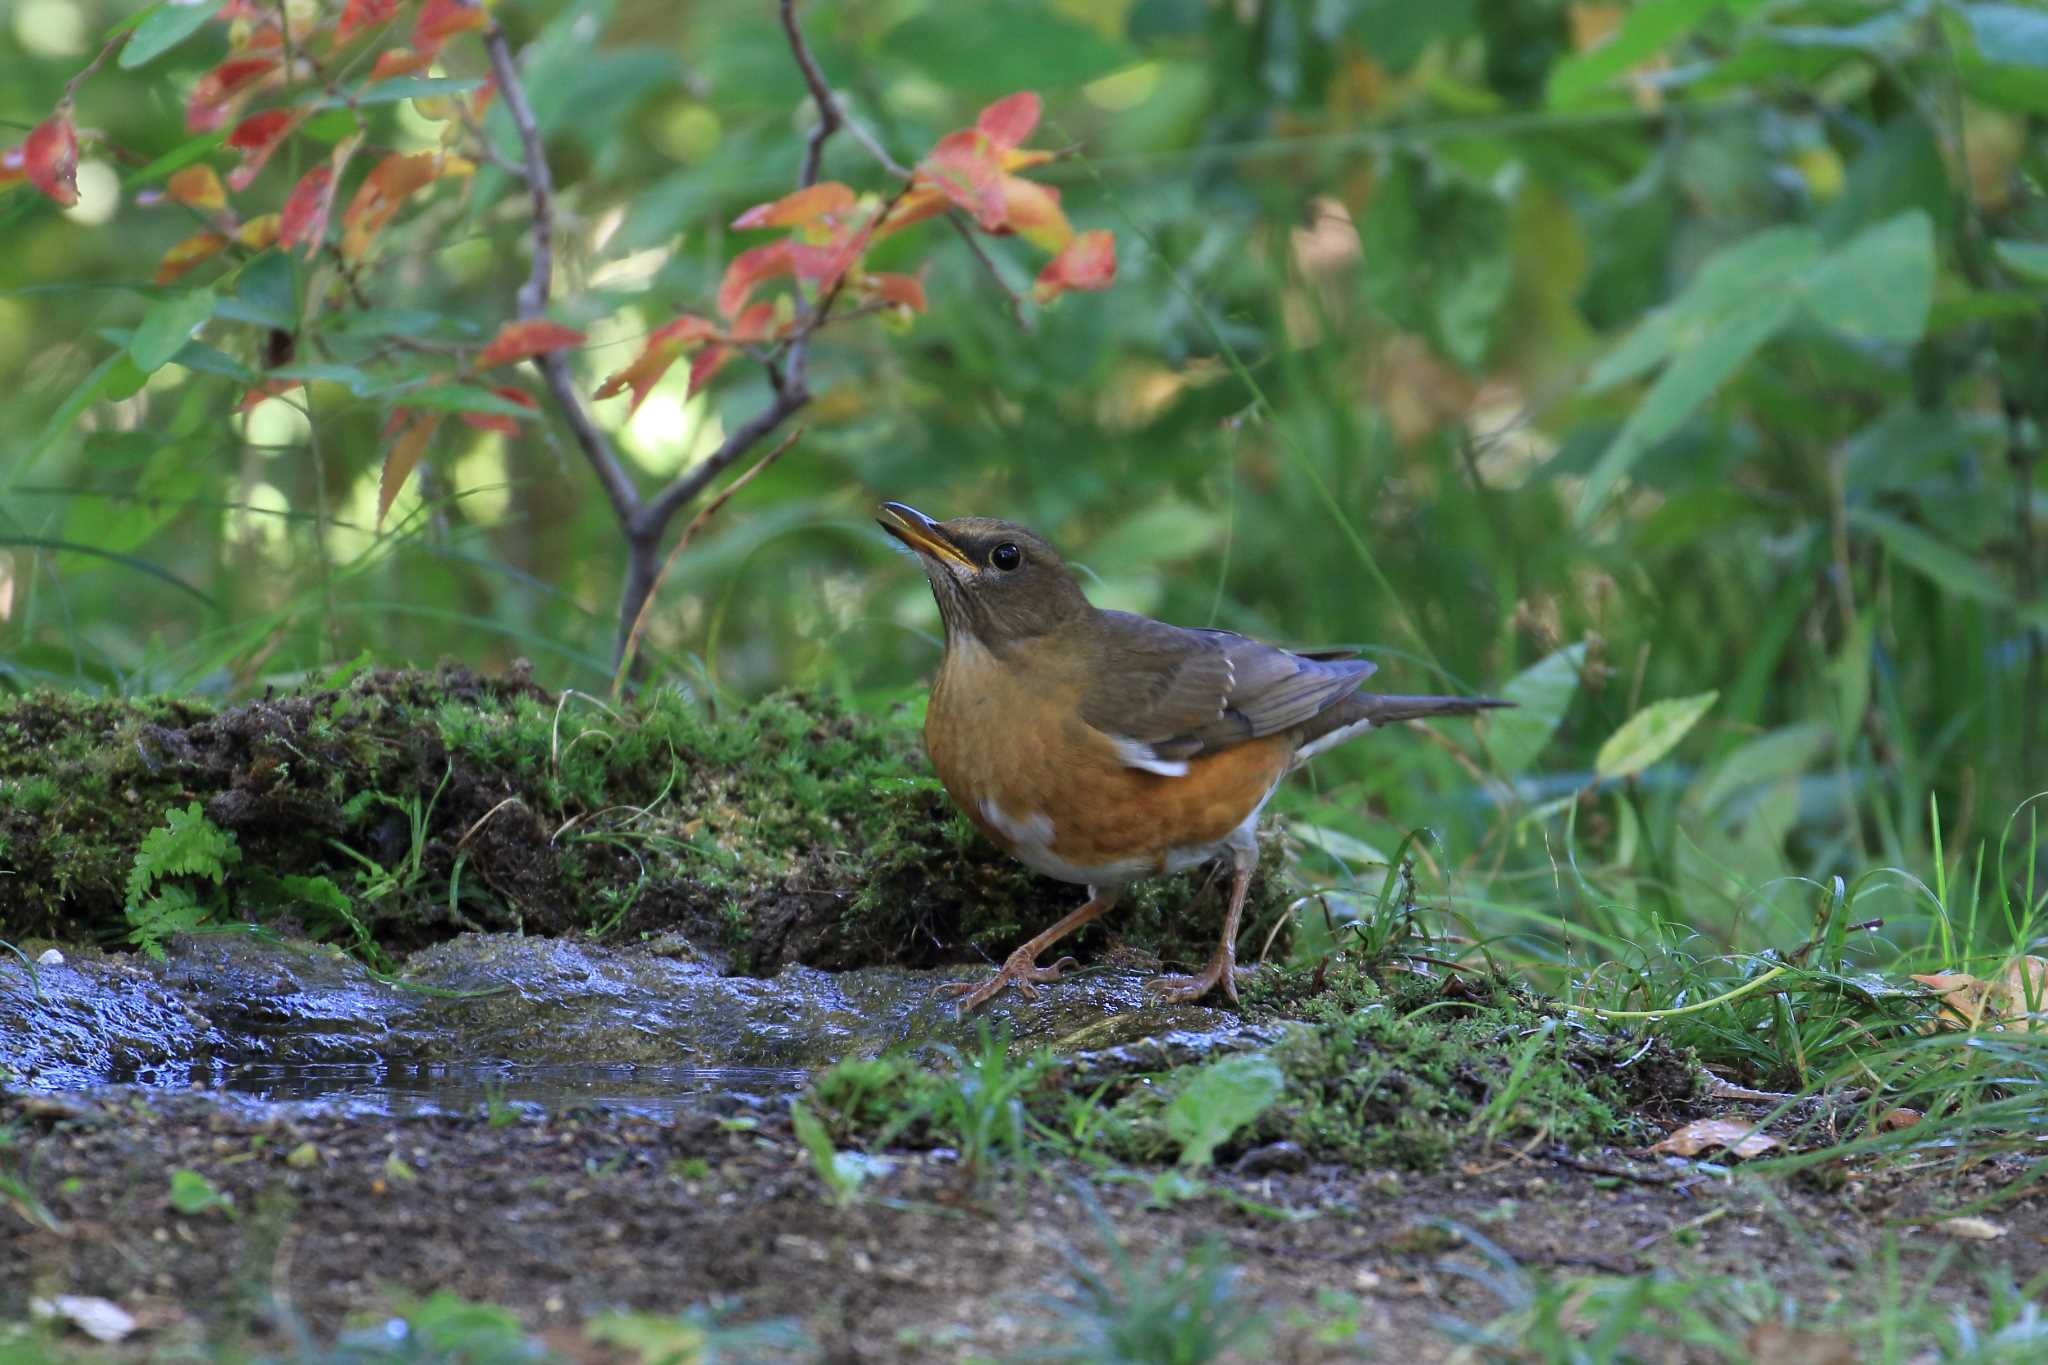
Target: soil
566 1216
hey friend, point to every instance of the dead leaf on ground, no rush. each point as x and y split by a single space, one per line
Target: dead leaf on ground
1738 1136
1894 1119
2010 1000
1970 1229
1773 1343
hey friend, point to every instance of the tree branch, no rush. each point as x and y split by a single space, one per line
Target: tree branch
533 295
831 118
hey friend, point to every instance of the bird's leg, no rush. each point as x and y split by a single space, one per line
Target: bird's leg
1222 968
1021 968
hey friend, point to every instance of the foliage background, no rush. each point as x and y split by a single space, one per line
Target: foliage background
1809 484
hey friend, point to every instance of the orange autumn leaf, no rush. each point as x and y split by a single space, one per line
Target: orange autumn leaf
664 345
519 340
914 207
905 291
197 187
311 202
1738 1137
748 269
377 199
480 102
1033 212
822 265
360 15
398 61
1088 263
256 137
49 157
806 205
1008 121
404 456
221 89
441 20
498 421
188 253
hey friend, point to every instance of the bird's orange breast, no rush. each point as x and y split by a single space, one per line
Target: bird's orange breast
1016 756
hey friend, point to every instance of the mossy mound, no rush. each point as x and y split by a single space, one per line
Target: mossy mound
404 807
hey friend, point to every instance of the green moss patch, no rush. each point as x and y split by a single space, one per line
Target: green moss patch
404 807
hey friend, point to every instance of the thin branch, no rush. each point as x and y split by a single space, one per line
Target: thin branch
743 438
988 263
689 533
831 117
533 295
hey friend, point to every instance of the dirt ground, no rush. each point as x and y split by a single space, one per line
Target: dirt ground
566 1216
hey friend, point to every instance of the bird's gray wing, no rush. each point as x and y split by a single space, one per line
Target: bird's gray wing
1171 693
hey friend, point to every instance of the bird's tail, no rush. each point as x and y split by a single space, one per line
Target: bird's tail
1368 710
1384 710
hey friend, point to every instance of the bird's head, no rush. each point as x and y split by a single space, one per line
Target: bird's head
996 582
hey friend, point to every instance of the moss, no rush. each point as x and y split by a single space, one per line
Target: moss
1403 1076
785 830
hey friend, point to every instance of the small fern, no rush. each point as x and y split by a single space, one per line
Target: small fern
186 845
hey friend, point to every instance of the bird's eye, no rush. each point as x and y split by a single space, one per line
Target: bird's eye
1006 557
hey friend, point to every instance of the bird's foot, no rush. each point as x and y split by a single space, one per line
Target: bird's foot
1018 970
1185 990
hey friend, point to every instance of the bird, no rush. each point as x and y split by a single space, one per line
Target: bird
1101 747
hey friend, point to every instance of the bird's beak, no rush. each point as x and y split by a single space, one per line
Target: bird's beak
921 534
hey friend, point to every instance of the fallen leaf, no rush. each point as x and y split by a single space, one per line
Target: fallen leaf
1970 1229
1772 1343
1739 1137
2012 1000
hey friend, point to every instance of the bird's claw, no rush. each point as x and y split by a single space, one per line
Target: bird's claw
1018 971
1185 990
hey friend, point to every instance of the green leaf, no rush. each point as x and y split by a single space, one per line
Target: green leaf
1880 284
1952 570
1728 284
2028 260
2011 35
398 88
1762 761
454 398
1689 381
167 326
265 293
192 1193
1650 734
1435 255
1220 1099
162 29
1009 46
1541 693
1648 30
357 381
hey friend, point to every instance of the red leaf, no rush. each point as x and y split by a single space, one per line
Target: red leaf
707 363
399 61
518 340
377 199
687 330
965 168
197 187
222 88
441 20
806 205
1009 121
754 324
256 137
187 254
480 102
823 265
905 291
358 15
403 458
748 269
49 157
497 421
308 206
1089 262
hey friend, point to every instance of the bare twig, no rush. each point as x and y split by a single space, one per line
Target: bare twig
533 295
831 117
710 509
988 263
